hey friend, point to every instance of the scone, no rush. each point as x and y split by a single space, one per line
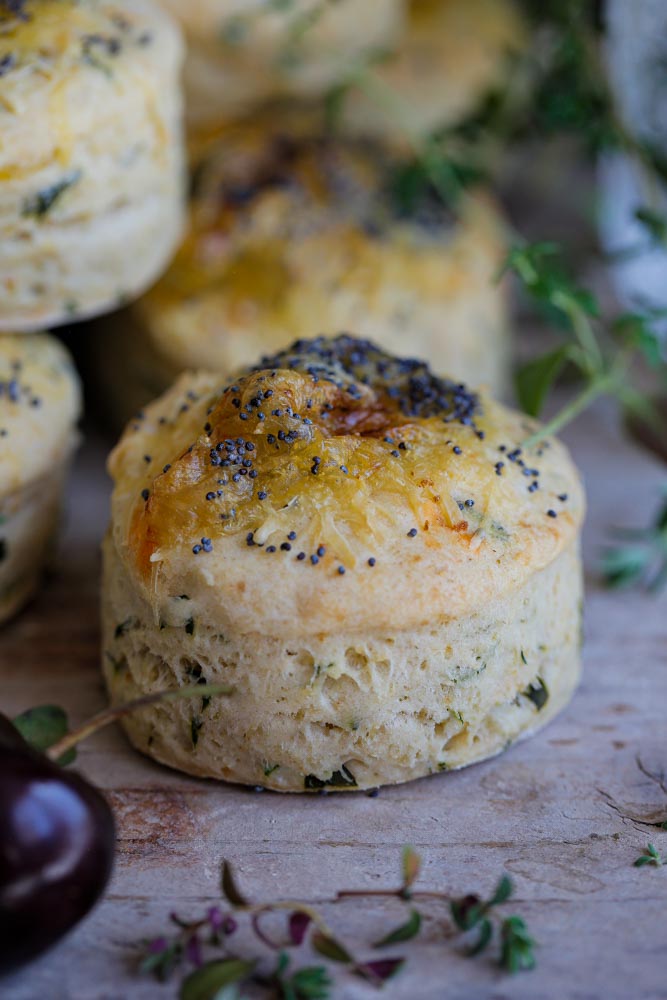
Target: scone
244 52
294 232
91 175
364 551
39 407
452 55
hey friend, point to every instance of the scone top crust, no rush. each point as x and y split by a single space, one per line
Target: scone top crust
334 485
40 402
288 224
58 56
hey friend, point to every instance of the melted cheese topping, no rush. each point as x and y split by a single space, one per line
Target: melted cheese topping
342 447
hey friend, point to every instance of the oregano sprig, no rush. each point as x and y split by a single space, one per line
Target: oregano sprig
602 352
191 944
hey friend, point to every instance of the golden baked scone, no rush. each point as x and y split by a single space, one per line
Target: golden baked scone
363 550
91 175
242 53
451 55
39 406
294 232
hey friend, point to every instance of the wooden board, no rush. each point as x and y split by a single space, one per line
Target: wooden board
565 814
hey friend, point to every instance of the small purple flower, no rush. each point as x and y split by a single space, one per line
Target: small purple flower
229 926
215 919
298 925
158 945
193 951
382 969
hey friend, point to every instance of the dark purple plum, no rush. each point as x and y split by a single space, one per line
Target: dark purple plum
56 849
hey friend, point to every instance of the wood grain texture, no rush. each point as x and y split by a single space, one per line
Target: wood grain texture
565 814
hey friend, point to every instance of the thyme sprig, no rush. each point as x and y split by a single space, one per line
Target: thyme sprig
642 556
651 856
604 352
191 944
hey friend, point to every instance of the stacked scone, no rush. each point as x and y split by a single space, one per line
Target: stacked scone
296 226
39 408
294 230
91 159
453 55
242 53
91 209
367 553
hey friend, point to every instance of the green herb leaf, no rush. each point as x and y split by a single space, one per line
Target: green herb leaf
330 948
517 946
310 983
642 558
535 379
230 890
339 779
655 224
163 962
40 203
485 935
467 911
411 866
651 856
207 982
538 693
503 891
195 728
405 932
42 727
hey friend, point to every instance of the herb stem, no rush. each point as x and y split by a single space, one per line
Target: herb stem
398 893
598 386
583 331
113 714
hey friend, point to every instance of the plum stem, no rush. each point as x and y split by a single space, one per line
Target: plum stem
113 714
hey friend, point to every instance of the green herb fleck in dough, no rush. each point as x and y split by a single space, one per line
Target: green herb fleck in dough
537 692
39 204
339 779
124 627
195 728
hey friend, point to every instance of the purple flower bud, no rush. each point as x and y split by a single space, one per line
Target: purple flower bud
193 951
229 926
158 945
298 925
383 969
215 918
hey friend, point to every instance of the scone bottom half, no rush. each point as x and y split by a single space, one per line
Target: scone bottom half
371 556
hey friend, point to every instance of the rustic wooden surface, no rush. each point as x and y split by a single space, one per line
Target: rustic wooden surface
565 814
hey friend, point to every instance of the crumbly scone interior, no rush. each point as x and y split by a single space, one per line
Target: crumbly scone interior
347 710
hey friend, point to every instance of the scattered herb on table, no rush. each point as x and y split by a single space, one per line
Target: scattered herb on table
201 949
651 856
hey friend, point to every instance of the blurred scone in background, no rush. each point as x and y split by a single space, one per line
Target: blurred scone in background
294 230
91 156
39 407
